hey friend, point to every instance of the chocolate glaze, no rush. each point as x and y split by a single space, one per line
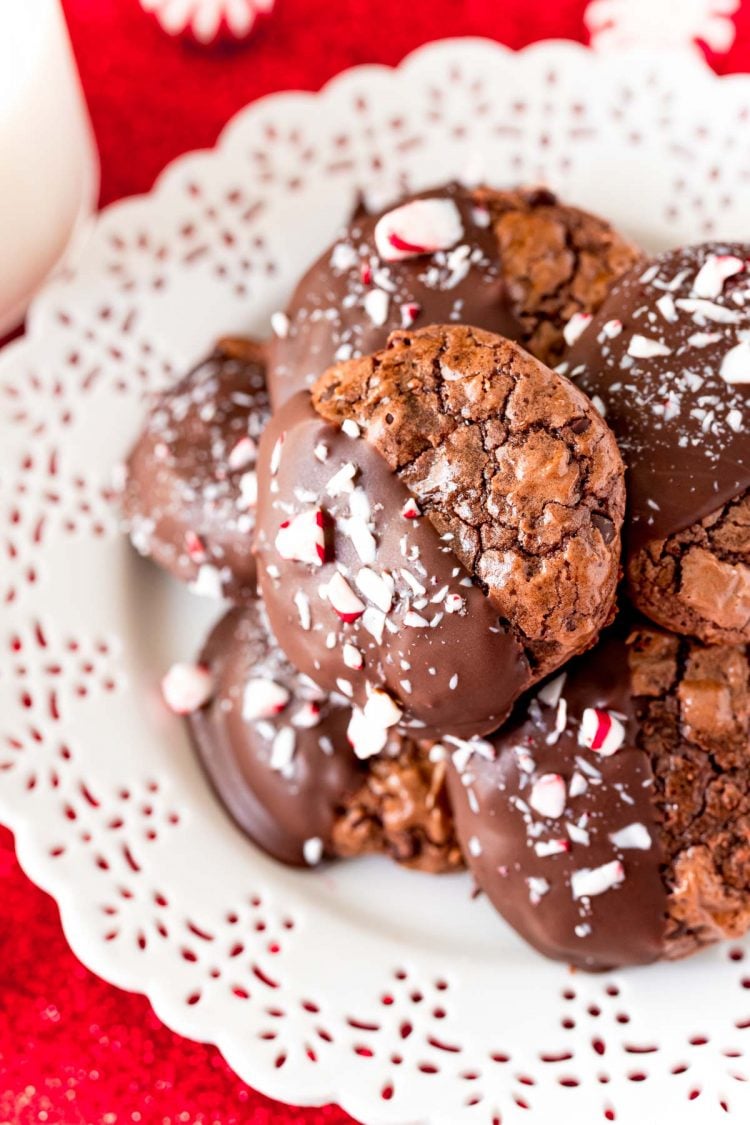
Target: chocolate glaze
185 506
327 322
460 675
681 427
280 807
498 830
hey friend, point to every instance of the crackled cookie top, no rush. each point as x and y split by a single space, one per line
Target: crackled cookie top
609 821
511 466
437 529
191 487
518 263
668 359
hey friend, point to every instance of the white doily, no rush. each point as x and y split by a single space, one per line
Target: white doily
390 992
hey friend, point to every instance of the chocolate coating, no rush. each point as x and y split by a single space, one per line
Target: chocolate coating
524 265
675 781
281 801
189 497
291 781
430 669
679 408
510 463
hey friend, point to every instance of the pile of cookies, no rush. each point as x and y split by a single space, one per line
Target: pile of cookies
482 505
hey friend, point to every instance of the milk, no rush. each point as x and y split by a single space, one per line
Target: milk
48 166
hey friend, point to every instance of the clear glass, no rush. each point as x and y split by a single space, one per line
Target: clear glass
48 165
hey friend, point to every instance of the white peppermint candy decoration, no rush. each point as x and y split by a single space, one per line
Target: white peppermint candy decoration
735 366
601 731
186 687
302 538
207 20
343 599
263 699
365 737
548 795
420 227
590 881
717 268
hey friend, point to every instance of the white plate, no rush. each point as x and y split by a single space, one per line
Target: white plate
389 992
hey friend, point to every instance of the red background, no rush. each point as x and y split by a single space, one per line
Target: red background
73 1049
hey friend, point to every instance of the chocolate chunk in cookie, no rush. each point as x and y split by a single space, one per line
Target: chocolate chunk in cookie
609 821
519 263
668 359
437 529
190 491
276 751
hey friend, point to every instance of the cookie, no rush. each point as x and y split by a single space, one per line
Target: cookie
190 486
437 529
668 360
518 263
402 809
609 821
276 751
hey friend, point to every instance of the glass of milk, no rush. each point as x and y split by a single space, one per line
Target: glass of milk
49 171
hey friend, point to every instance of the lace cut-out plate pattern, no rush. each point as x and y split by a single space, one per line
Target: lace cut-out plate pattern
392 993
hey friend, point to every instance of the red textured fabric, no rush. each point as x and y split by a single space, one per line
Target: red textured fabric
73 1049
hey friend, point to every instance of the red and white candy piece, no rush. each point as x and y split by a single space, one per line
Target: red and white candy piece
411 510
302 538
717 268
420 227
544 848
263 699
590 881
365 737
735 366
409 313
548 794
343 599
353 658
577 324
307 716
601 731
242 454
195 547
186 687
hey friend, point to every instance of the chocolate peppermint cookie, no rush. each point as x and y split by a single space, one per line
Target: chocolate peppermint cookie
276 751
190 489
609 821
438 528
668 360
519 263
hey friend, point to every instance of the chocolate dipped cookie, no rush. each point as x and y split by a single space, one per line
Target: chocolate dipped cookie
276 751
191 487
668 360
519 263
609 821
438 528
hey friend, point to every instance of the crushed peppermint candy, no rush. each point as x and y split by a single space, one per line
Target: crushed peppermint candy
312 850
352 657
411 510
642 347
601 731
282 750
343 599
717 268
548 795
538 888
735 366
634 836
303 538
375 304
419 227
575 327
187 687
263 699
590 881
381 709
280 325
365 737
409 313
242 454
